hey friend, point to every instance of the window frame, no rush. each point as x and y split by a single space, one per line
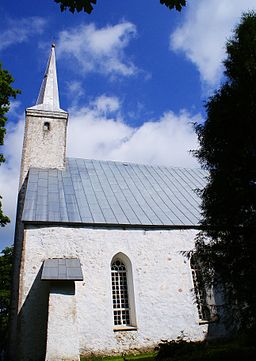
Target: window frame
204 296
120 297
130 293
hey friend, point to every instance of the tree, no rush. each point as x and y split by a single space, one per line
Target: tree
5 291
6 91
87 5
227 244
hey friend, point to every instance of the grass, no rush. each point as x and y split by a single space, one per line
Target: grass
149 356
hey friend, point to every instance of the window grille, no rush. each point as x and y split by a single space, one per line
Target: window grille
203 309
202 294
120 294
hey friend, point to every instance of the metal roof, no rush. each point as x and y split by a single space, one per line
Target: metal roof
114 193
62 269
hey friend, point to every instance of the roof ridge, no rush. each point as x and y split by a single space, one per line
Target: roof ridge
124 162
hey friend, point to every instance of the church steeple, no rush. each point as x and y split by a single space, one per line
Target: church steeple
48 98
46 126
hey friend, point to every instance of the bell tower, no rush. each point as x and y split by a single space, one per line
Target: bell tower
44 143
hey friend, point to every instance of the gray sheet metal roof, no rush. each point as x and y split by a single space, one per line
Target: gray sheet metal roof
114 193
62 269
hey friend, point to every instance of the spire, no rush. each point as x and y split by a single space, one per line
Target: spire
48 98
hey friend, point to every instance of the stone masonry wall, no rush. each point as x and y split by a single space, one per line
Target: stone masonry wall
164 302
44 148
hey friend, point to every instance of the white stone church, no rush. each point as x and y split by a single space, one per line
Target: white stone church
99 248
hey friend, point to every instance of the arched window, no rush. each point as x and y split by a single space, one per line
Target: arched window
122 292
204 295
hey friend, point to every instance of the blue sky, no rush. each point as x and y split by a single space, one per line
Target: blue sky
158 81
133 76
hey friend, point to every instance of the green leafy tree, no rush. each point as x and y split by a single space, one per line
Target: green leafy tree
6 91
227 246
5 291
87 5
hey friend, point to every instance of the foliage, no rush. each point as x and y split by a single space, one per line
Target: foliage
5 290
178 349
3 219
227 246
6 91
87 5
219 350
171 4
76 5
148 356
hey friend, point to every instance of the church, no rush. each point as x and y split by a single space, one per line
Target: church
100 265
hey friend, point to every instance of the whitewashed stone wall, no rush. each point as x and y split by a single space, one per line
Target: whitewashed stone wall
165 305
62 335
42 148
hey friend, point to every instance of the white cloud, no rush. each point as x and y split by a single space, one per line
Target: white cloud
106 104
99 50
9 177
20 30
98 134
14 111
204 32
75 89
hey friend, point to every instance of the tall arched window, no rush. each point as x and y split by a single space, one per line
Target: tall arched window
204 295
122 292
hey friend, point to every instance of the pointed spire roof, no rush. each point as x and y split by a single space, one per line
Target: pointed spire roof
48 98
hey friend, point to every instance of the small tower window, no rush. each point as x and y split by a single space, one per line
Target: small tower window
46 126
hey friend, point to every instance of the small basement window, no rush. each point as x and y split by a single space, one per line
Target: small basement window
46 126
